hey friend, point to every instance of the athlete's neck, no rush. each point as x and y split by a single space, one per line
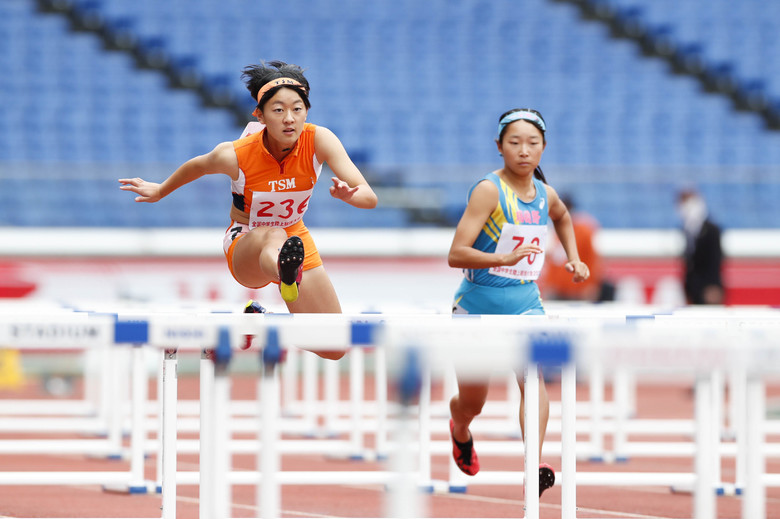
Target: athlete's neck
523 186
277 150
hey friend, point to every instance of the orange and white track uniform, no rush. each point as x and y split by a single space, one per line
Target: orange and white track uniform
273 193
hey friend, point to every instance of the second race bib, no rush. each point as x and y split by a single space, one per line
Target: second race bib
514 235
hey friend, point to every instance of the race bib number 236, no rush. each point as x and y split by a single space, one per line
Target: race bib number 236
278 209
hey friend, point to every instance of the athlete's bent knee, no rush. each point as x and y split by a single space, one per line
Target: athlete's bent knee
332 355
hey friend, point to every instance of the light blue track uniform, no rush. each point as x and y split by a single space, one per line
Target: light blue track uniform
481 292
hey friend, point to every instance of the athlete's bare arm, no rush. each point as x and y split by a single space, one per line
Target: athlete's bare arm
222 159
562 221
348 184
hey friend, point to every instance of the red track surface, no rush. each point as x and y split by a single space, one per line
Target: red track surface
655 400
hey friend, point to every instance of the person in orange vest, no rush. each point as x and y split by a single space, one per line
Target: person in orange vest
273 168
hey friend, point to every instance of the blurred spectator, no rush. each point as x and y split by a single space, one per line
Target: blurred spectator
703 255
555 281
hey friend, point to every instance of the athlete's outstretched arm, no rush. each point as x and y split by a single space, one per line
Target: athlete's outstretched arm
462 253
221 159
348 184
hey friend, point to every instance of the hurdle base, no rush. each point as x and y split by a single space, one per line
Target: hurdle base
114 456
366 455
439 486
148 487
434 487
720 490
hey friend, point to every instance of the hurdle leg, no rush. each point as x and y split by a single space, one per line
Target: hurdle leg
140 392
424 433
169 434
734 406
738 420
380 391
159 404
717 388
290 381
116 403
512 400
206 438
404 500
622 388
331 397
754 500
221 440
356 392
597 414
310 404
704 497
269 490
106 382
531 440
568 441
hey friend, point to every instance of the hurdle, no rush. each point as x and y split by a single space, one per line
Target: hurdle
703 483
73 331
90 415
517 341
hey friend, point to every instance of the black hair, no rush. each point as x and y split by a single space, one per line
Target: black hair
255 76
538 173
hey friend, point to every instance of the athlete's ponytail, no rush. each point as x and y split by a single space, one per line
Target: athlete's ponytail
539 174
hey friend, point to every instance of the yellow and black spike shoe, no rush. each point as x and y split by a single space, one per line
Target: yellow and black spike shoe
290 264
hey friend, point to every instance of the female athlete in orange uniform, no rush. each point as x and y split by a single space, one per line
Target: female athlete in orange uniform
273 168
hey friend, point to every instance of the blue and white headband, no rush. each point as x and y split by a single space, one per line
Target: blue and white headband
520 115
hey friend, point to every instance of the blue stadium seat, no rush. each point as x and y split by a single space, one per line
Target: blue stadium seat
404 84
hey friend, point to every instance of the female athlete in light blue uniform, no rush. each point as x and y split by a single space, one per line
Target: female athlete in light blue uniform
499 243
484 292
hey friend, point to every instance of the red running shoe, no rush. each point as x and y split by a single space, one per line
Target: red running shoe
290 264
546 477
464 454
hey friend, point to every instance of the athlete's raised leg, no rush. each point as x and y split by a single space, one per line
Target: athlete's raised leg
255 256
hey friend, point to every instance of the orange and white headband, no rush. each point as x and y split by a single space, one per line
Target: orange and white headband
282 81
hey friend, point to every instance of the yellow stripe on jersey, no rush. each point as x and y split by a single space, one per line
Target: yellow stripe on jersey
495 223
511 204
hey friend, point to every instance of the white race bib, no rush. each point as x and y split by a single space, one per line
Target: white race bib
514 235
278 208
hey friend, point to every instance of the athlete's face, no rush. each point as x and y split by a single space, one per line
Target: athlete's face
283 116
522 146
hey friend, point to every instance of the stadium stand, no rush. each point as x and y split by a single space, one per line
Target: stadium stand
413 89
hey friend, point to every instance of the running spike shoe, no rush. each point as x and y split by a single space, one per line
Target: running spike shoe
290 264
464 454
546 477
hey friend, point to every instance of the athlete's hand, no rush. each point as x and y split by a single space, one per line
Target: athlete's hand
341 189
146 191
579 269
522 251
